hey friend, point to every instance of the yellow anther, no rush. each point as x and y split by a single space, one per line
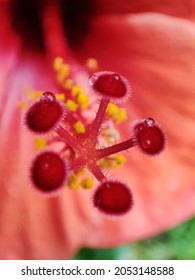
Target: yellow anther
73 182
83 100
117 114
40 144
80 172
87 183
71 105
76 90
112 109
112 162
58 62
22 105
60 97
92 64
68 84
34 95
120 159
79 127
65 70
63 73
108 162
121 116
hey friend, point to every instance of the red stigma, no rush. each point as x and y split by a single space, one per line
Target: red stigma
110 84
113 198
49 172
149 136
44 114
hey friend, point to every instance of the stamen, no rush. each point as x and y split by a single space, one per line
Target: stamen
22 105
60 97
71 105
87 183
40 143
58 62
117 114
79 127
112 162
68 84
92 64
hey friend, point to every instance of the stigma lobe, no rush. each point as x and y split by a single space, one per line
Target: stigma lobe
149 137
113 198
110 85
49 172
44 114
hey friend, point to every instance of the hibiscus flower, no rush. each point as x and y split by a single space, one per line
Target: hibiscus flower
152 45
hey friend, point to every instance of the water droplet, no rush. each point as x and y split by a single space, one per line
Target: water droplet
48 97
92 79
115 77
149 122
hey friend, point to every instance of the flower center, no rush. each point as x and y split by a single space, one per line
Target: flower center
80 138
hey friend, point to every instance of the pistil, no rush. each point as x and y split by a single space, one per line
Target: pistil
101 153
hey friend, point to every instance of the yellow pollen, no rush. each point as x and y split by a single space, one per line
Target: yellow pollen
60 97
58 62
87 183
73 182
79 127
112 162
92 64
121 116
112 109
40 144
83 100
22 105
34 95
68 84
117 114
60 77
120 159
71 105
76 90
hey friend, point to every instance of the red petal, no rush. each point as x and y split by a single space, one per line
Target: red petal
155 52
176 8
